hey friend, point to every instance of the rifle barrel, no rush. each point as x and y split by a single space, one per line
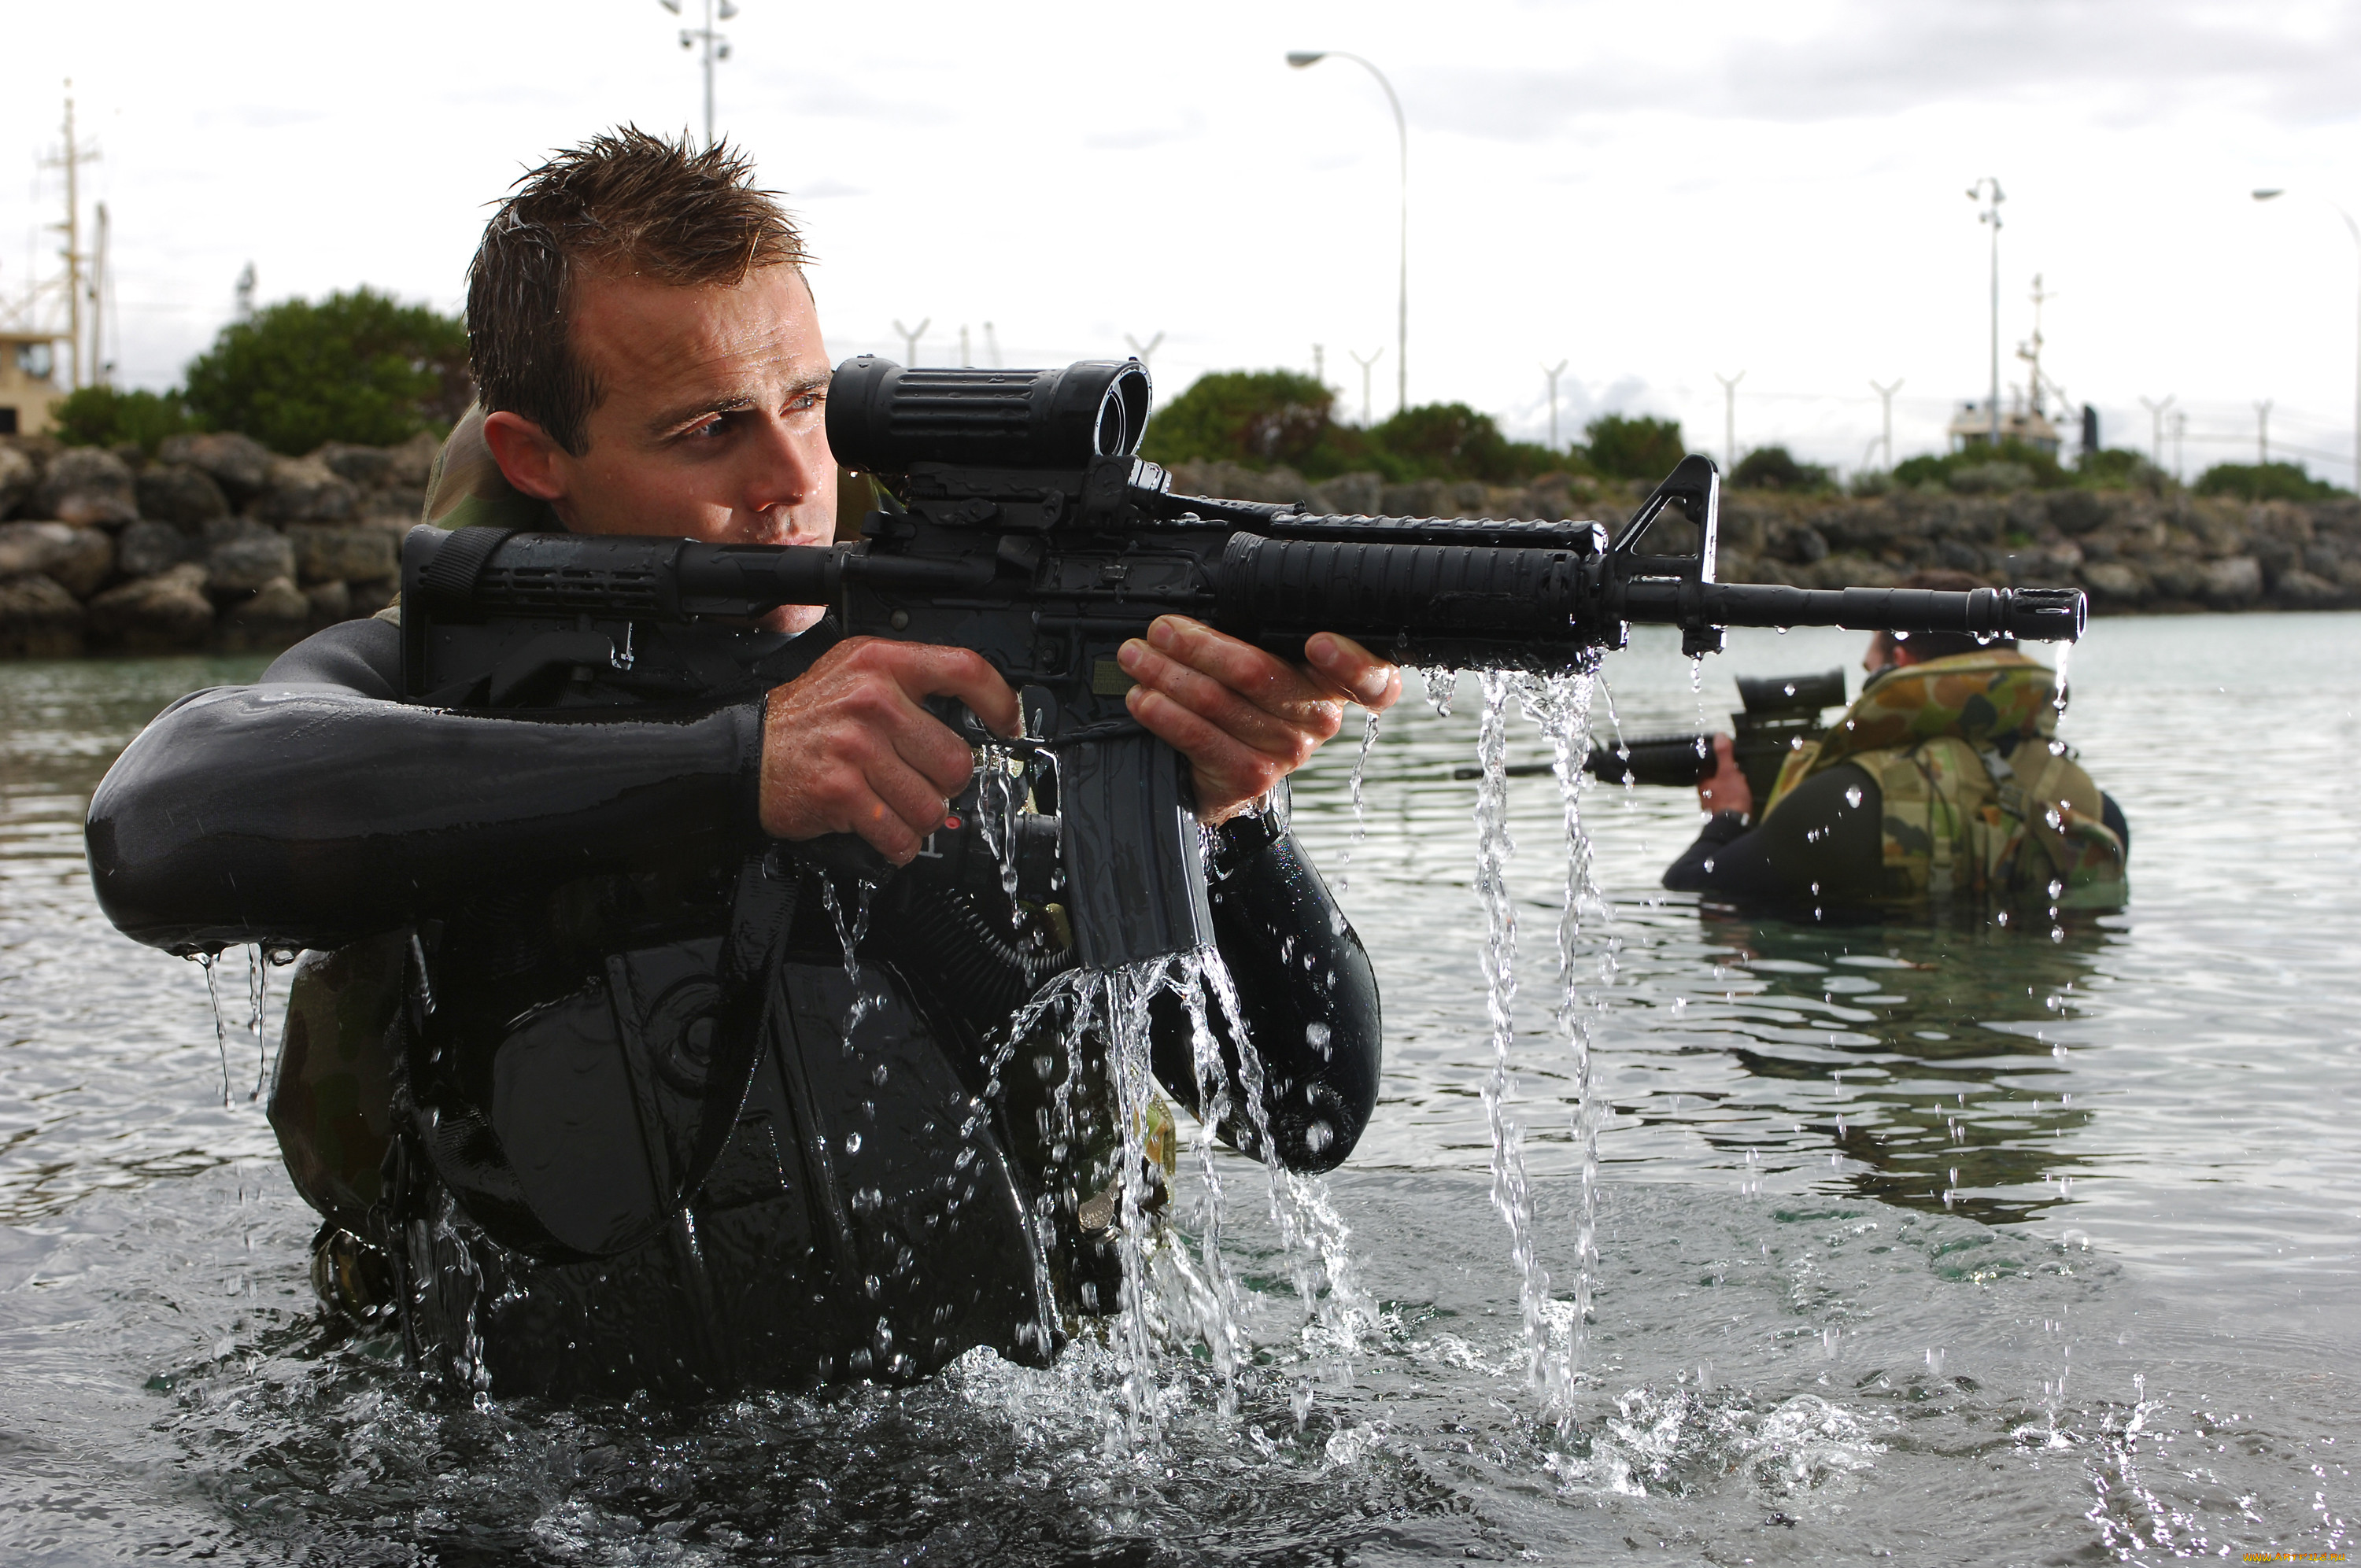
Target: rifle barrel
2036 615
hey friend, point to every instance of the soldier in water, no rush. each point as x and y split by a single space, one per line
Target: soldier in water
1943 785
575 1071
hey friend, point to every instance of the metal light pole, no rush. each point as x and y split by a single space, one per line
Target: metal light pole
911 335
2355 230
716 47
2263 432
1730 418
1553 372
1366 364
1991 214
2156 432
1304 60
1886 396
1147 353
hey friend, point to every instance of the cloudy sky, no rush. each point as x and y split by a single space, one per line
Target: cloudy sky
1655 195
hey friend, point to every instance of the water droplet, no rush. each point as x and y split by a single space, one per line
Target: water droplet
853 1143
1853 798
872 1286
1318 1136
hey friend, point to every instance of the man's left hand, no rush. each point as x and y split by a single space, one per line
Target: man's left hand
1244 719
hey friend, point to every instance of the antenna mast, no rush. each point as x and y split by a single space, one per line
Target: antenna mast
70 159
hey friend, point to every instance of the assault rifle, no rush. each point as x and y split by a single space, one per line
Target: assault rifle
1777 715
1017 520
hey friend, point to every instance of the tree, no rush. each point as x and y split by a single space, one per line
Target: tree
102 416
1254 417
360 367
1775 468
1444 441
2263 482
1643 447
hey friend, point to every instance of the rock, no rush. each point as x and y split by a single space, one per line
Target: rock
1427 498
399 501
2177 578
1992 478
85 484
304 489
2043 567
1847 572
180 493
278 616
39 620
2231 582
345 552
148 548
238 464
2076 512
244 562
367 467
413 462
77 559
17 478
2115 585
1350 494
367 598
165 613
2302 590
331 602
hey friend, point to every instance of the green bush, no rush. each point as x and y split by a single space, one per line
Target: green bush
360 367
2115 468
2263 482
1980 469
103 416
1263 418
1775 468
1643 447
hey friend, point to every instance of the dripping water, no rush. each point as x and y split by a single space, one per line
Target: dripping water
221 1028
851 925
1512 1192
1370 718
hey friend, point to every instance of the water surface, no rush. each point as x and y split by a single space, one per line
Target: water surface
1929 1245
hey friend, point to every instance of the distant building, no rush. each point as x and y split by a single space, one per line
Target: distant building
1971 428
29 381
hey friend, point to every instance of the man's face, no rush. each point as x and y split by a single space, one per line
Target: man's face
712 424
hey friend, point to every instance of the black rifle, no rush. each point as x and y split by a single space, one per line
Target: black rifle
1777 715
1018 521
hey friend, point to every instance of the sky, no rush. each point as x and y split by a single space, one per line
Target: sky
1656 196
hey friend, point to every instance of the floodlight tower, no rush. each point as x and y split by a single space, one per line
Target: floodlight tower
716 47
1988 192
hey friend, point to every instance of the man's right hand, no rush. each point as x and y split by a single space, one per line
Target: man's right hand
849 747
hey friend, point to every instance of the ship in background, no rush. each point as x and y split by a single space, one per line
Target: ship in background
2025 421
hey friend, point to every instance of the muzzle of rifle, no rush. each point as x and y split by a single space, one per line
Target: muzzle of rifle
2031 615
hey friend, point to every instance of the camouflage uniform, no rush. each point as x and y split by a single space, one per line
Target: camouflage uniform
1981 800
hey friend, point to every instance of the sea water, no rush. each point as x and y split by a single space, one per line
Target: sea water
1930 1244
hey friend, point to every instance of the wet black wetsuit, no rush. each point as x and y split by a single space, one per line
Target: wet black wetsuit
1824 847
583 917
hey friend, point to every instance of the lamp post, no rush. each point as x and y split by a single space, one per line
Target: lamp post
1304 60
1987 191
2355 230
716 48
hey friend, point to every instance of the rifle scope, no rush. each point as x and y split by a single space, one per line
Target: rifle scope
883 417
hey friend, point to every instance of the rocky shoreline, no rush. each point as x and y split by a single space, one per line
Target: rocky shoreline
2132 551
216 544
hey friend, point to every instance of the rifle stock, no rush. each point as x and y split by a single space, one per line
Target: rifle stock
1018 523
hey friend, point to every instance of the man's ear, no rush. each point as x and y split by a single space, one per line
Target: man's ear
529 459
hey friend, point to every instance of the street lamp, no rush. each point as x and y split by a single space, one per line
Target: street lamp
2355 230
1304 60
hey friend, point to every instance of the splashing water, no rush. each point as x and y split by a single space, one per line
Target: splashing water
1441 686
221 1028
999 798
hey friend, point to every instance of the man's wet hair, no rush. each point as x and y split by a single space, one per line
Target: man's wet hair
1923 645
622 202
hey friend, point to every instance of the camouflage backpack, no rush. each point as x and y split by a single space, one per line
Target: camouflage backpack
1981 799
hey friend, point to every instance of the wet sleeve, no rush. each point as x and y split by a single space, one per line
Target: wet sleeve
311 810
1306 992
1823 843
